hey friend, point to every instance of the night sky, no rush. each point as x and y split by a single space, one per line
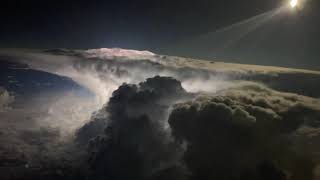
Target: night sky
165 27
81 113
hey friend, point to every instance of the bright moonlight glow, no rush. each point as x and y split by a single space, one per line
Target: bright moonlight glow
293 3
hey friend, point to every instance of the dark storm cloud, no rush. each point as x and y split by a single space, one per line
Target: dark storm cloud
246 133
95 127
137 142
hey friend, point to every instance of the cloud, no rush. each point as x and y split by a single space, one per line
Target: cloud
168 118
137 138
246 132
38 133
106 53
5 99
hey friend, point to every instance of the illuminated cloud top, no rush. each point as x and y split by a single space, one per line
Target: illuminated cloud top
107 53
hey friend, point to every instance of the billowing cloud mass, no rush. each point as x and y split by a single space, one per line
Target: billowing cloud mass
137 143
160 117
247 133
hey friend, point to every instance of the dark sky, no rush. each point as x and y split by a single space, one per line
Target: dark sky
162 26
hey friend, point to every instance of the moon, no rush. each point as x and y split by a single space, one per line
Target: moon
293 3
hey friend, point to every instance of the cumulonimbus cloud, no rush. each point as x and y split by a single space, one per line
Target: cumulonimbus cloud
161 117
247 132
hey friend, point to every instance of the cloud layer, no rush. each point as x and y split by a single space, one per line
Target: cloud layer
160 117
